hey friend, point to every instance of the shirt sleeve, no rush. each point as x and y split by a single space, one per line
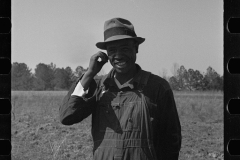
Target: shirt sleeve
75 108
79 90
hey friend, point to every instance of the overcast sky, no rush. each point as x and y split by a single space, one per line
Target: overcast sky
64 32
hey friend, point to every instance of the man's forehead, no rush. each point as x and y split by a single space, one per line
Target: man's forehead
120 43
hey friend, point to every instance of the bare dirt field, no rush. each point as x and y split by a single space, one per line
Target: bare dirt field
37 133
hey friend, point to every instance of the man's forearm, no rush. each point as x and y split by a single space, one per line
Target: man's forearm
76 106
86 80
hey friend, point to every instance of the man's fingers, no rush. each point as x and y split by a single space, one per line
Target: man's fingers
102 63
103 56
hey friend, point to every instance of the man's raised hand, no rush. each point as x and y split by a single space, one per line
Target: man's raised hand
95 66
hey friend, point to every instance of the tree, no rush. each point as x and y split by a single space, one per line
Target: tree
220 83
209 79
52 66
70 77
174 70
217 83
182 78
190 79
195 79
198 80
21 77
38 84
174 83
45 74
79 71
60 79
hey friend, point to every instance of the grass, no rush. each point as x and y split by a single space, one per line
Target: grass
203 107
37 133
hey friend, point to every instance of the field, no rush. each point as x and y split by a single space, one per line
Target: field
37 133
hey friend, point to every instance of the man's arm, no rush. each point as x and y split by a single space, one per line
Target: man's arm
77 104
170 139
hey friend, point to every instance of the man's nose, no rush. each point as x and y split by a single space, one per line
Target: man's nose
118 53
118 56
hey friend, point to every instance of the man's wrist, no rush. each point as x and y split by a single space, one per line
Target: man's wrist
90 74
86 80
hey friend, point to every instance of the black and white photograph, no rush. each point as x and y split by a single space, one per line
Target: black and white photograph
117 80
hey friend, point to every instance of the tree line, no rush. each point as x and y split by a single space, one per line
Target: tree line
193 80
45 77
49 77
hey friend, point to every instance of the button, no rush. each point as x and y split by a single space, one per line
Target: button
130 119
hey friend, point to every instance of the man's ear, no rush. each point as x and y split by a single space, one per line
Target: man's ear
136 48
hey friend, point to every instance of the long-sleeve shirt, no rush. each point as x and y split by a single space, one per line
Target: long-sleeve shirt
129 123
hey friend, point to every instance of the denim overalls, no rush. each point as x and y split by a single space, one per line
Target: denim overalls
121 124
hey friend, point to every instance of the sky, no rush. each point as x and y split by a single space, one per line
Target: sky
64 32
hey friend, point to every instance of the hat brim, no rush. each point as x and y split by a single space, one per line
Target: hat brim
102 45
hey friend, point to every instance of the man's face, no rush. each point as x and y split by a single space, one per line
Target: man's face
122 55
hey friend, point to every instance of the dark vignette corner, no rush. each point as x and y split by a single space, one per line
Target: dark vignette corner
5 79
231 81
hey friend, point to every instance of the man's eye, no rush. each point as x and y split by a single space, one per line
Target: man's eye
125 50
111 51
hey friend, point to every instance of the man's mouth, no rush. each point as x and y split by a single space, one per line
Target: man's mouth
120 64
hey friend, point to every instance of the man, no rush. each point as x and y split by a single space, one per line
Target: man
134 116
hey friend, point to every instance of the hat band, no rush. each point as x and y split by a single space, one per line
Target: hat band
118 31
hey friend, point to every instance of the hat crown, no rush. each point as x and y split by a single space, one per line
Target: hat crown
118 29
118 22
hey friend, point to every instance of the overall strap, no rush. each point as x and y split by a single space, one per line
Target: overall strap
103 78
100 86
144 79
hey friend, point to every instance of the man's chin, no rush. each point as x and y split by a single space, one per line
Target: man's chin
121 70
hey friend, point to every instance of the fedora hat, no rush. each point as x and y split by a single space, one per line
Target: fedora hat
117 29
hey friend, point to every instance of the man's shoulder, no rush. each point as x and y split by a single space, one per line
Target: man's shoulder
157 81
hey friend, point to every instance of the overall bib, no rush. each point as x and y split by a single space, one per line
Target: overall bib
121 124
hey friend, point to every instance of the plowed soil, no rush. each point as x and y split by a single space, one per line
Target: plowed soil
37 133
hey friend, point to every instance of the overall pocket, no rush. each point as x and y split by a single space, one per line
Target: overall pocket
107 119
131 116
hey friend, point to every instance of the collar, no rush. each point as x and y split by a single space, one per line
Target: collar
109 81
126 84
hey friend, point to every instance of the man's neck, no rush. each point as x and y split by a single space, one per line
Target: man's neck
124 77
